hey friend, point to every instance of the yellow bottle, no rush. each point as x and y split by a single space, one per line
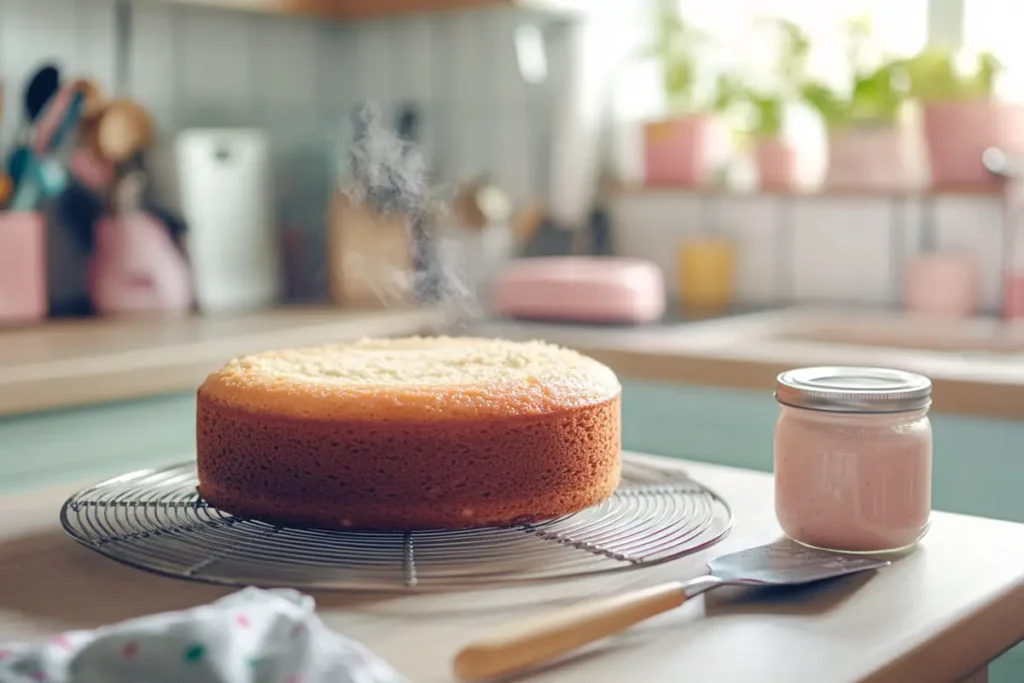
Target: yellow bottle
706 274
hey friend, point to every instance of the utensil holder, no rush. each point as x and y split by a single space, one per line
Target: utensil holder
944 283
23 278
707 268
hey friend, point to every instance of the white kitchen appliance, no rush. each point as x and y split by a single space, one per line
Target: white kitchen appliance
226 197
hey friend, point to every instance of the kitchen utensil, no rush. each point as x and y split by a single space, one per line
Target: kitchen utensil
38 93
28 191
95 103
62 116
123 130
479 204
46 176
90 170
6 187
540 640
226 192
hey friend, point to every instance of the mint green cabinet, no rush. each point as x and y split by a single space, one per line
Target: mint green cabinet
978 465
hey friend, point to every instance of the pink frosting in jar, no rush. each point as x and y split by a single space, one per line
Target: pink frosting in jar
853 458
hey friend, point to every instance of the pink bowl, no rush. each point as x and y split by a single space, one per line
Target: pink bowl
582 289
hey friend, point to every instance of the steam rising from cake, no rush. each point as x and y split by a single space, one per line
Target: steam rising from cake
391 176
390 173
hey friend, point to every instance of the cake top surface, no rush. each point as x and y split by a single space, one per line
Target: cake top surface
427 378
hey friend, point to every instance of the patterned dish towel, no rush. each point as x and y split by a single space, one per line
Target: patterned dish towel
253 636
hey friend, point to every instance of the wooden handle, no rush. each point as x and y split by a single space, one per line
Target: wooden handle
541 640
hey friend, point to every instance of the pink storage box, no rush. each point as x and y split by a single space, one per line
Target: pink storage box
582 289
23 286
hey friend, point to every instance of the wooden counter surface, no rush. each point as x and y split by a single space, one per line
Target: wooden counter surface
749 351
938 615
69 363
81 362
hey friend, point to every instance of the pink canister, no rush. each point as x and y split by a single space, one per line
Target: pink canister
23 284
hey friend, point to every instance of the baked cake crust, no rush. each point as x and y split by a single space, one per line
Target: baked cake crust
409 434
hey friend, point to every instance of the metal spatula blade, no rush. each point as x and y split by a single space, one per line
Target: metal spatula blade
541 640
787 564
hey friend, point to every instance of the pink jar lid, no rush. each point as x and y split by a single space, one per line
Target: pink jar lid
853 390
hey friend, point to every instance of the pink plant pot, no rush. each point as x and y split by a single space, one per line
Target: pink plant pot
676 151
958 133
23 277
872 159
943 284
776 165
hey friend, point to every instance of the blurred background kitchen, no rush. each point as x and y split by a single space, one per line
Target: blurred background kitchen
731 188
669 132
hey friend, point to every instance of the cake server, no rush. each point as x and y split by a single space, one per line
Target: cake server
542 639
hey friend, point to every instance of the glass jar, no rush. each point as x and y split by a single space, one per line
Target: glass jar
853 458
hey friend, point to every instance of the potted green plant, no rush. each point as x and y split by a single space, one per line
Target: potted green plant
962 115
869 145
774 156
676 147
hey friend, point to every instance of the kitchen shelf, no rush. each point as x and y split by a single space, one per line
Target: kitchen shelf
355 10
66 363
931 192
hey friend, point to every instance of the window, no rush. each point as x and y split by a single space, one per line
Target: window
990 25
743 45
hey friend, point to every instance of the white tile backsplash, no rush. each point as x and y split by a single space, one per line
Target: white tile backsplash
299 78
814 249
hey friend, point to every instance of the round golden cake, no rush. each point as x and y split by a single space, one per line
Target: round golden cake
414 433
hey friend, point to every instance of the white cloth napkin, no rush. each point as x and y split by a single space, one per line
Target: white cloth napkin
252 636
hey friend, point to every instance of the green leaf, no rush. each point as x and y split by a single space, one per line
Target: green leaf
934 77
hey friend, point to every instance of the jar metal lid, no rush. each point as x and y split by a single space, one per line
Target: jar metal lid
853 390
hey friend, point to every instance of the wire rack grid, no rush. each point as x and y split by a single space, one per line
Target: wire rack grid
154 520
